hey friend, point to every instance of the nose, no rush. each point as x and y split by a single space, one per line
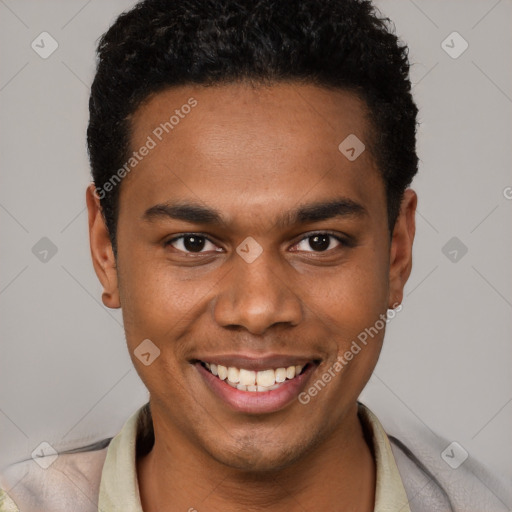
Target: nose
257 295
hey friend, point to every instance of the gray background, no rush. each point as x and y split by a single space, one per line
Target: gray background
65 374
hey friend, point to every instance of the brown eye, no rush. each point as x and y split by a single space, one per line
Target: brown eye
319 242
194 243
191 243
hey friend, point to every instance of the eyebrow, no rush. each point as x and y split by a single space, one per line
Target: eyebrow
314 212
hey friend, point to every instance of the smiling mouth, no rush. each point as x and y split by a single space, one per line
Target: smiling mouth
255 381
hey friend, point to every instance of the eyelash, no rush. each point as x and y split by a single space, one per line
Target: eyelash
343 241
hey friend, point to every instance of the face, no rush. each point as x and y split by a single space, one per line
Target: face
248 241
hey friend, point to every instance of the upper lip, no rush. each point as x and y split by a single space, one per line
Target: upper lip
257 362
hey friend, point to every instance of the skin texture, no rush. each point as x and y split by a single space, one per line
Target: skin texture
253 153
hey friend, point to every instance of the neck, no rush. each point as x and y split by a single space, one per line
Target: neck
338 474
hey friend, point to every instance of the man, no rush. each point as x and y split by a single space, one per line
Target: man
250 214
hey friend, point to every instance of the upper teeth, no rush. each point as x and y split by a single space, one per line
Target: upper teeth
250 378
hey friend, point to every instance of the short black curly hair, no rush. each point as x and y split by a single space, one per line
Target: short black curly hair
345 44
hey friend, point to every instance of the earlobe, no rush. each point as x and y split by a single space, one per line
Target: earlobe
102 254
400 263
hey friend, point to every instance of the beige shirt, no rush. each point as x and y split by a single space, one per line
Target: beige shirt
119 490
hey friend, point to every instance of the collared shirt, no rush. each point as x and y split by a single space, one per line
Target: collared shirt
407 455
119 489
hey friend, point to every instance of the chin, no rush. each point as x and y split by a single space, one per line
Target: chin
249 456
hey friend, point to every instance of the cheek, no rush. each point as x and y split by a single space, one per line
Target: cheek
162 304
156 307
355 298
355 294
149 299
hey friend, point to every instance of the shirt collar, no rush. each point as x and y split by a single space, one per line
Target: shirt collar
119 489
390 493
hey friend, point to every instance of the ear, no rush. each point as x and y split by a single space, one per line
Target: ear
400 262
102 253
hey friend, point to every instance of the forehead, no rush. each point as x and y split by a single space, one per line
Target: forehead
252 114
245 145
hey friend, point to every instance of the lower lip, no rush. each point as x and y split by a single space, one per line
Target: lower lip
257 402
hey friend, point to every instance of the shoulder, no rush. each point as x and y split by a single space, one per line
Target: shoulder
6 503
68 482
438 474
